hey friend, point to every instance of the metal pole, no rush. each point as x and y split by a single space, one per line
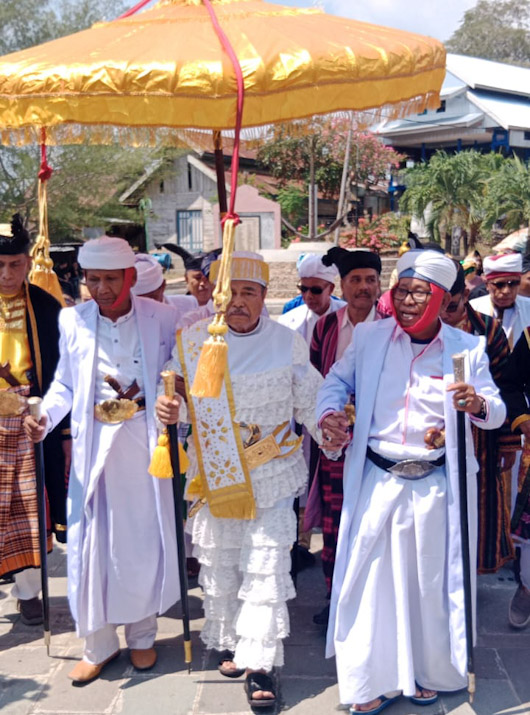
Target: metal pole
458 369
168 377
34 404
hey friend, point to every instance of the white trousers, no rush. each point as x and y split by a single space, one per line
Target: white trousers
525 563
27 585
101 644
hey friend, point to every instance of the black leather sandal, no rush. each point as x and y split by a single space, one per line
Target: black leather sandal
228 657
263 682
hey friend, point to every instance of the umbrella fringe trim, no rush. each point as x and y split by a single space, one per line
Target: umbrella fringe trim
151 136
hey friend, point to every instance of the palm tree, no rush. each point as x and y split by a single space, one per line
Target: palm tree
508 195
451 189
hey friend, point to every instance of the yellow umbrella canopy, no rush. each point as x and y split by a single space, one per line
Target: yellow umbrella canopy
145 77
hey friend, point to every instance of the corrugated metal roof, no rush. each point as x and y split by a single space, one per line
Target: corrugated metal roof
485 74
428 122
507 112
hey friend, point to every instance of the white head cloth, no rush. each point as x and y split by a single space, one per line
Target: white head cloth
502 264
428 265
310 265
106 253
149 274
246 266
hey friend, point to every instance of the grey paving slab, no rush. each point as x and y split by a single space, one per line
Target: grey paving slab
516 661
28 661
18 696
175 695
302 696
492 697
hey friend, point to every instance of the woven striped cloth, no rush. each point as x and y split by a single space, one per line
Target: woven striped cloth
19 528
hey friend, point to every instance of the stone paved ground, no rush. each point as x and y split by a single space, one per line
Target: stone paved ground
32 683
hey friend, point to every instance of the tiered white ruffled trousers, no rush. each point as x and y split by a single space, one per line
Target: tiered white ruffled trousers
245 575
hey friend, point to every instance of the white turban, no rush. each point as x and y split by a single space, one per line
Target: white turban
149 275
310 265
430 266
503 264
246 266
107 253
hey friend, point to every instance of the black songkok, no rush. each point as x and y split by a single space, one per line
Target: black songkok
460 281
526 264
194 261
18 240
347 261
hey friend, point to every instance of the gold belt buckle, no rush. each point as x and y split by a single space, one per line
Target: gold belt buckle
114 411
11 404
261 452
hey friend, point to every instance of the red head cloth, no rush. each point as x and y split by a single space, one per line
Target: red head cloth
432 311
505 265
128 279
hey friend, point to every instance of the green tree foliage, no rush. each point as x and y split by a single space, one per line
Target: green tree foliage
508 195
495 30
450 190
468 190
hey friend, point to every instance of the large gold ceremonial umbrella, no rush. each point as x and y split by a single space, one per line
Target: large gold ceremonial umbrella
143 77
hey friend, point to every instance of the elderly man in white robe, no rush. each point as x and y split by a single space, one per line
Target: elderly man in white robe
502 274
317 283
122 554
397 623
250 468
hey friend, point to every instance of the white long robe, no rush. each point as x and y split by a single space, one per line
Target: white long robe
245 564
304 320
122 556
514 320
387 576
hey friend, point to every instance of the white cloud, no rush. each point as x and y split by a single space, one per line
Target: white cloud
437 18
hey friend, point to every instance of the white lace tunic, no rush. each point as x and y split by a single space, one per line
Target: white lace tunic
245 564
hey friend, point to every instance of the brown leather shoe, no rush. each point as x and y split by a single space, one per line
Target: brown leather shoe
143 659
85 673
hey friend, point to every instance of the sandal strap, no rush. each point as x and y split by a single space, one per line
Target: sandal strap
260 681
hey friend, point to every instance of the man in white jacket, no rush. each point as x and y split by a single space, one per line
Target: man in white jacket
122 555
317 283
397 621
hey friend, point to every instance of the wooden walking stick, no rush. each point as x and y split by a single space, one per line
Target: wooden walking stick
168 378
459 375
34 404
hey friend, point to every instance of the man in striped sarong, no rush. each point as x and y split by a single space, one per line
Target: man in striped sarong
29 349
360 285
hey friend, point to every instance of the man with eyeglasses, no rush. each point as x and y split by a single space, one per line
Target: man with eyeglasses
495 449
359 271
397 617
316 286
503 278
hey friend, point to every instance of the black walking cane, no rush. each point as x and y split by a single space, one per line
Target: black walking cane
168 377
458 370
34 404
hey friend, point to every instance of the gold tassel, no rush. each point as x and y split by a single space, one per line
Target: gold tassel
160 466
211 367
42 273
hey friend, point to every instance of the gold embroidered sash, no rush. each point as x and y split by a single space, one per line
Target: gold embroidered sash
223 469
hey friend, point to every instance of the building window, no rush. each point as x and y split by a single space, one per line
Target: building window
190 177
441 108
189 230
161 187
527 136
420 114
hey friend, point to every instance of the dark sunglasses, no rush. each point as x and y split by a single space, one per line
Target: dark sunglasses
500 285
315 290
